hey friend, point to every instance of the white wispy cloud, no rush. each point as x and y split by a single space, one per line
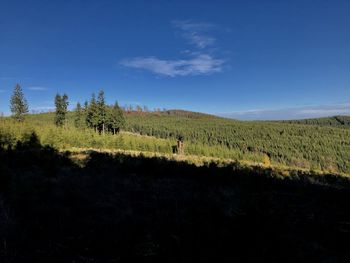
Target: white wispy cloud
196 62
37 88
127 102
43 108
291 113
196 33
198 65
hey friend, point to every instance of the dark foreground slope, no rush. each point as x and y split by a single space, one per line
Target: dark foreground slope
117 208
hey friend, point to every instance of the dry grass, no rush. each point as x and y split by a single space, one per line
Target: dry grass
80 155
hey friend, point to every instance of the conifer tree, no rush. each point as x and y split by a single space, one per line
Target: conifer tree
19 105
79 114
65 102
102 111
116 120
61 104
92 116
86 106
58 103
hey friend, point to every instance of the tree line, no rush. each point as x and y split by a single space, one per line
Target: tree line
95 114
99 116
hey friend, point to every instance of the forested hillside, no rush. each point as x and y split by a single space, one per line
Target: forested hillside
337 121
324 148
287 144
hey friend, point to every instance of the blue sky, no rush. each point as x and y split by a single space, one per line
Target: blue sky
243 59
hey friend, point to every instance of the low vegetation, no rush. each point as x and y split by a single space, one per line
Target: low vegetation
298 146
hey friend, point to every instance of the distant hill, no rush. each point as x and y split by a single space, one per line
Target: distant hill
176 112
48 117
335 121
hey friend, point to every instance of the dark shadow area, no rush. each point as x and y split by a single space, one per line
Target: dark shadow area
119 208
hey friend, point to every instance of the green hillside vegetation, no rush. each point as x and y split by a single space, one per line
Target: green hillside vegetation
279 144
335 121
97 125
68 137
319 148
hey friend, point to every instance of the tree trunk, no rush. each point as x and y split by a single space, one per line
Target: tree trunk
103 128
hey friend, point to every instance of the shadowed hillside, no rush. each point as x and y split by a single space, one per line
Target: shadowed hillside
116 208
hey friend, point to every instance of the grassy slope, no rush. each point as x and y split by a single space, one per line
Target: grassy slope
295 145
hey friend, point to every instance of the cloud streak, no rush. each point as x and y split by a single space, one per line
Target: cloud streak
198 62
37 88
43 108
291 113
196 33
199 65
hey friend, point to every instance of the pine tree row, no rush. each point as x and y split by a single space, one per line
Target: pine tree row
95 114
99 116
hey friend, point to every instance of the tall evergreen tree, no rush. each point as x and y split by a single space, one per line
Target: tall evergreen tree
92 116
102 111
79 116
19 105
86 106
61 104
116 119
58 116
65 103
